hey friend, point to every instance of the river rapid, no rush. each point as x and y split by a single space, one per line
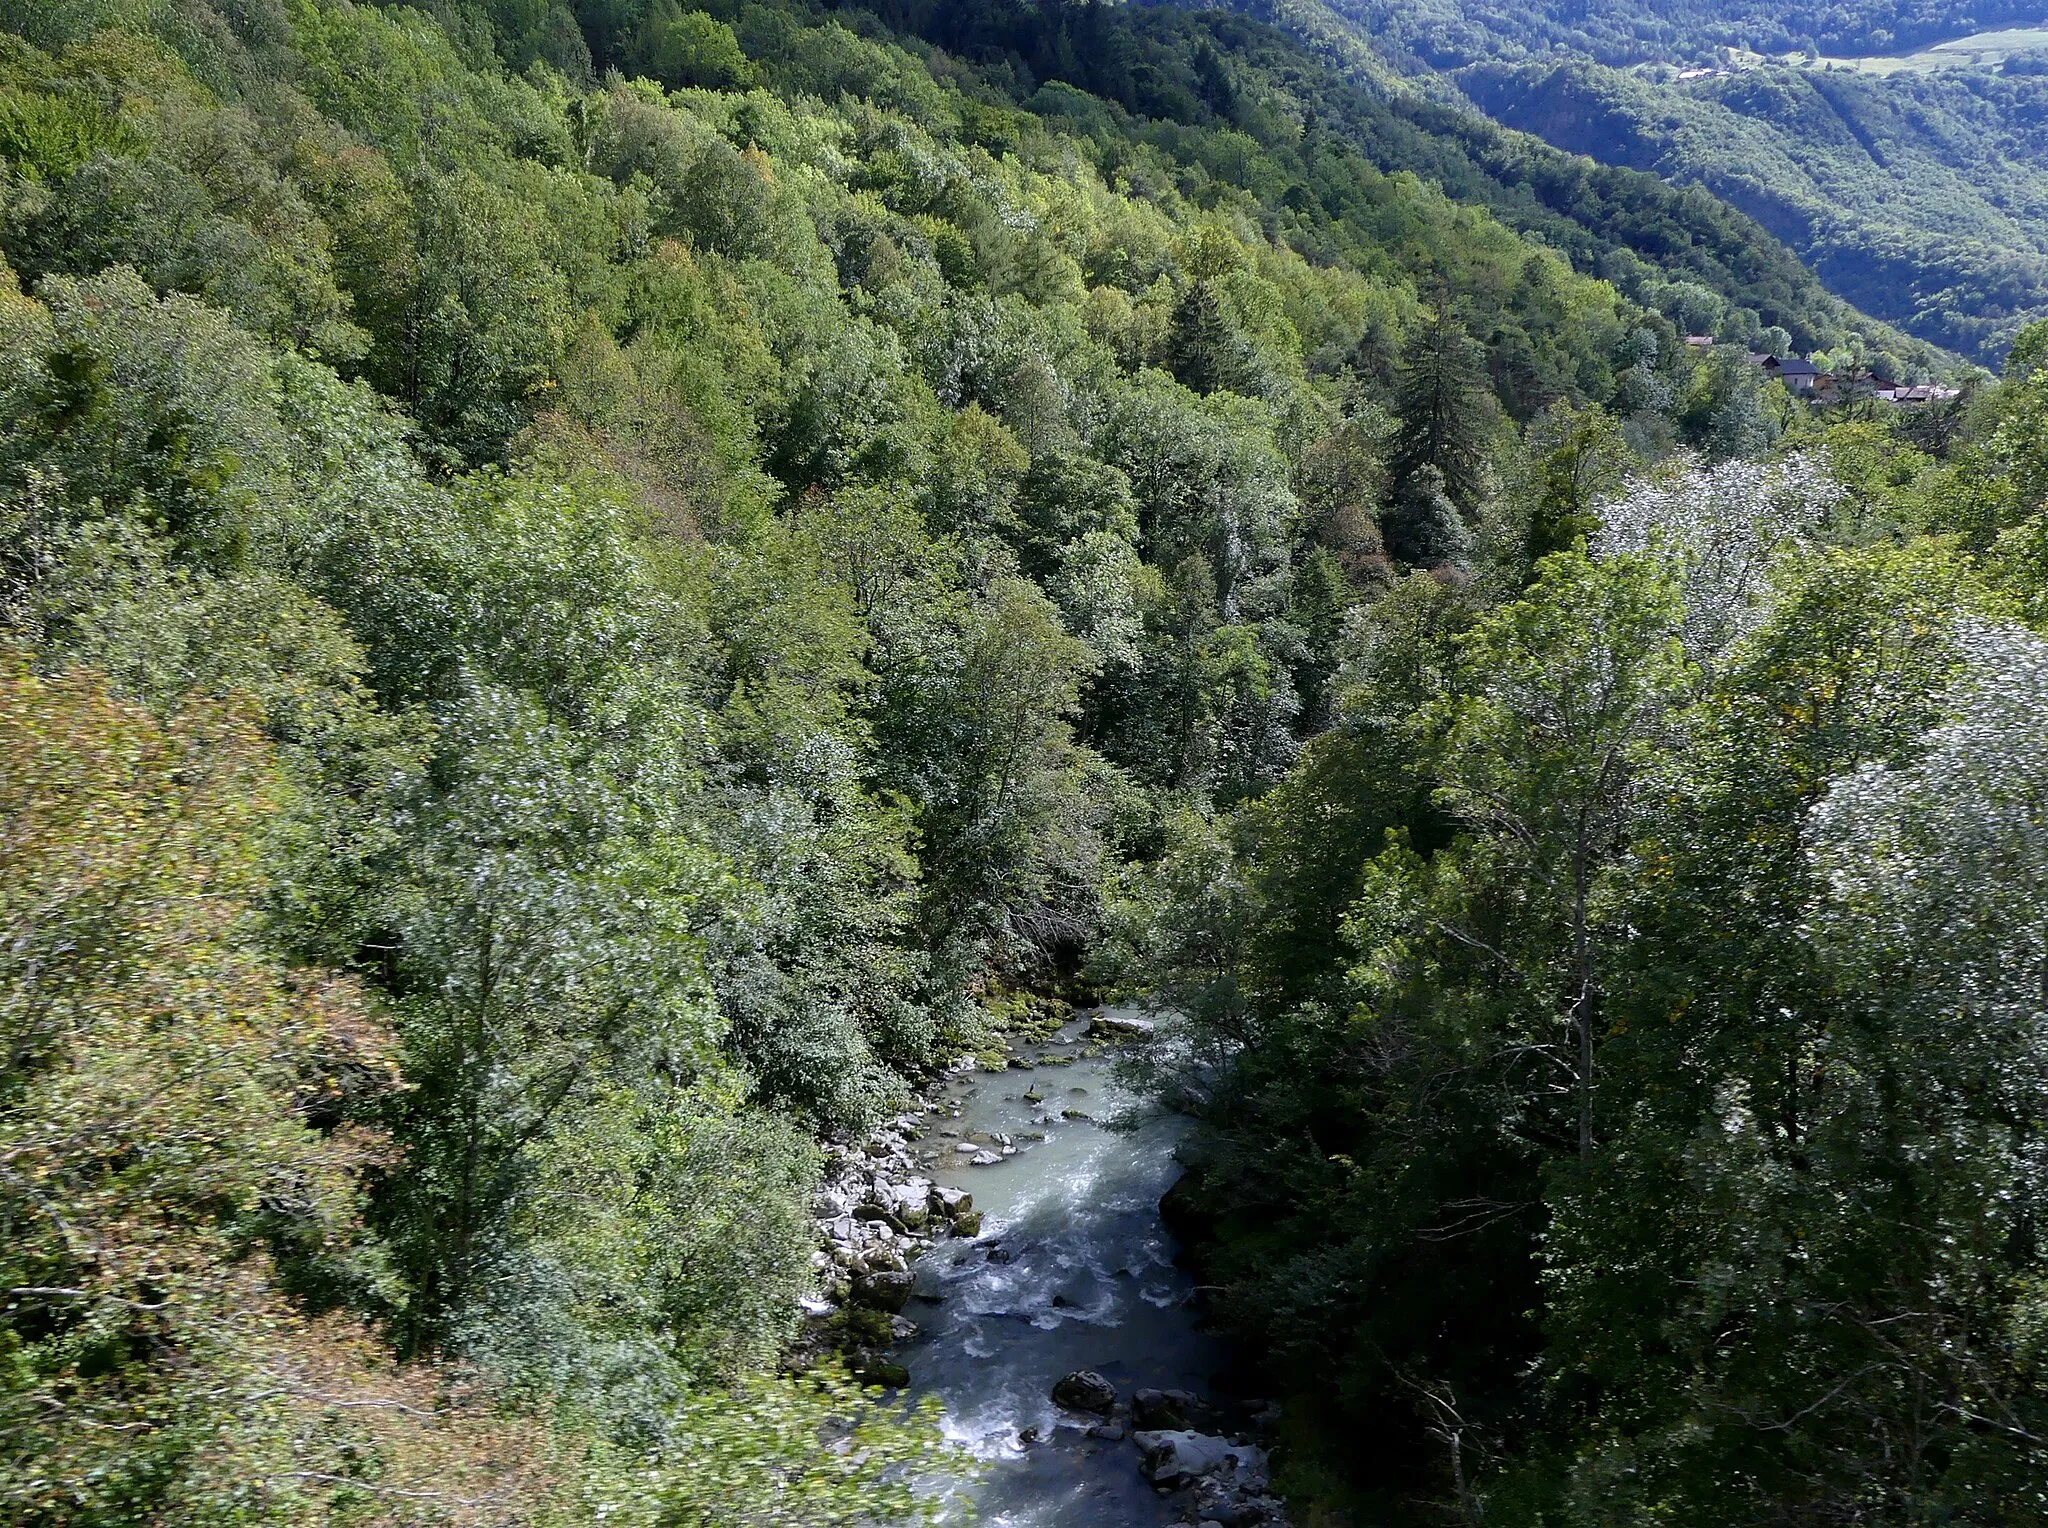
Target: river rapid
1073 1269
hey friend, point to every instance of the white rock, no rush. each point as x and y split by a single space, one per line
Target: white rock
1118 1026
1175 1458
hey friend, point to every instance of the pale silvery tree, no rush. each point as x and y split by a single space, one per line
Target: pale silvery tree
1096 589
1725 523
1933 1111
1938 872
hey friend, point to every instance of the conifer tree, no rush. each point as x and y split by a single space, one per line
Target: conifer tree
1441 398
1204 351
1422 526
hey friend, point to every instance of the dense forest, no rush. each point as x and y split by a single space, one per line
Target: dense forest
1621 1036
587 598
1918 197
1656 242
1915 196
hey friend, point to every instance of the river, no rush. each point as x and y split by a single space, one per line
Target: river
1073 1270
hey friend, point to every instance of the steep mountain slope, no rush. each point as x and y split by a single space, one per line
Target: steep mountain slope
1917 195
1251 98
1920 197
1447 34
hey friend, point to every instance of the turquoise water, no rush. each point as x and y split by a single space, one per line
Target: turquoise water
1081 1277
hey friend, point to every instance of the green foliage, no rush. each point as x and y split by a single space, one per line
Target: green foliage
1619 960
1906 193
834 1459
1442 405
1204 351
689 48
680 1215
1580 460
169 1180
567 630
1685 29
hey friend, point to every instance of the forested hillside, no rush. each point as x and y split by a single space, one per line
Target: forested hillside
1922 198
1915 196
1447 35
1195 73
582 596
591 597
1621 1038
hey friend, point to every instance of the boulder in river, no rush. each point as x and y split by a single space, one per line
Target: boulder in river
1085 1390
1178 1457
911 1202
887 1290
1223 1503
874 1212
1119 1026
880 1369
1171 1410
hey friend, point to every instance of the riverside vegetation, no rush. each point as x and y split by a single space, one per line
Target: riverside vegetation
586 592
1621 1037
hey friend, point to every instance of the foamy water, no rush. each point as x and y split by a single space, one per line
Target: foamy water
1089 1283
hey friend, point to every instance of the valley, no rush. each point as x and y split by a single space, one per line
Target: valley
786 764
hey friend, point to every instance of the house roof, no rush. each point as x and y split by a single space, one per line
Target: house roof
1791 366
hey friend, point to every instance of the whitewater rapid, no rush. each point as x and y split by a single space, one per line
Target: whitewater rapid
1073 1269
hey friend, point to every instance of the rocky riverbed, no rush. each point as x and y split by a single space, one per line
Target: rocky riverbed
1000 1247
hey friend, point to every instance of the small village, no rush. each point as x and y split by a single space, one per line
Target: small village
1805 379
